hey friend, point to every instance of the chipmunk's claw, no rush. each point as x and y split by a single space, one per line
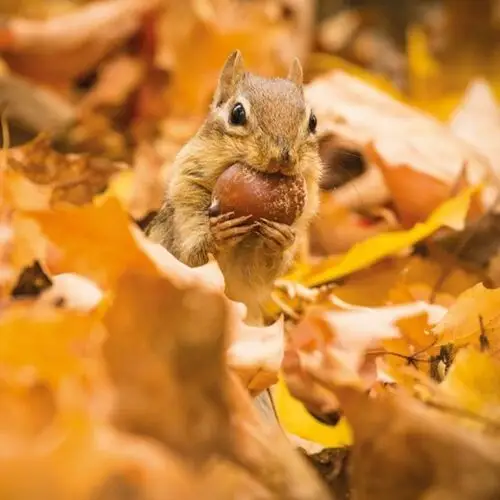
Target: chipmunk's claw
228 230
277 236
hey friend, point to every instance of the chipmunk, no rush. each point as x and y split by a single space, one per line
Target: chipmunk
266 124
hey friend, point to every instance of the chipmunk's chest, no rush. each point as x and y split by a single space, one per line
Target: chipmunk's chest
250 262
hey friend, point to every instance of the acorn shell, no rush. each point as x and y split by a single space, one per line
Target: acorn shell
245 191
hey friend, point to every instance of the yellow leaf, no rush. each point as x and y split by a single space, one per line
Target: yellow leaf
452 213
53 344
95 241
474 382
295 419
476 309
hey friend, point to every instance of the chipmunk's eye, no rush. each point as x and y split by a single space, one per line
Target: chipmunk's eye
238 115
313 123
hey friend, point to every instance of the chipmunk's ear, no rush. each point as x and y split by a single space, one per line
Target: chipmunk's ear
296 75
230 76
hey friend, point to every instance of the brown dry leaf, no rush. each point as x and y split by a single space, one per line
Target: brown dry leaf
267 454
411 148
85 459
155 362
477 121
64 47
93 133
476 312
194 411
40 177
404 450
348 334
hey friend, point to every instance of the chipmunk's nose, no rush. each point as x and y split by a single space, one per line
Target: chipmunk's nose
286 158
281 163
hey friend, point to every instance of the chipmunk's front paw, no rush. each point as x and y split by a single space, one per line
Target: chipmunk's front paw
277 236
228 230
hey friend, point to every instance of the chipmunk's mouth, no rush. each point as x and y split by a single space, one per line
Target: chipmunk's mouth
274 167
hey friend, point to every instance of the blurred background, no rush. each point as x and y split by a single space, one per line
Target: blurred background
131 80
139 62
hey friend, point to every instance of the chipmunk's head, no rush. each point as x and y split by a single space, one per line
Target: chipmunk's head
263 122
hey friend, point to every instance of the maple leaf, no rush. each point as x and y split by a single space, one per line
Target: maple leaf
103 247
200 412
155 362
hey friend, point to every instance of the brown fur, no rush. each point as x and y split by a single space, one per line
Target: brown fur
277 121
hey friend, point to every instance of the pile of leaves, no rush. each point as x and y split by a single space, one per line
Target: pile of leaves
126 374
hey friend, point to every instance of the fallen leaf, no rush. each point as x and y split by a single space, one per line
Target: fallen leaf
358 113
297 421
472 382
52 344
46 178
102 249
256 353
384 425
345 336
202 414
156 360
476 312
451 213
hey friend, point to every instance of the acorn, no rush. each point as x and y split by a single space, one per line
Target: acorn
245 191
